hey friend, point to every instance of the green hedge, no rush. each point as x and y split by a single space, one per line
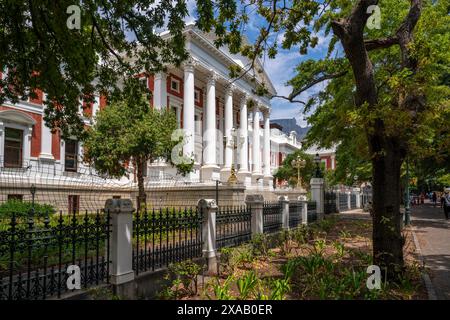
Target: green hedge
22 209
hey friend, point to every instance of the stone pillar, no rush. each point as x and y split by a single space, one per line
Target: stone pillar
243 173
256 170
208 208
225 172
255 202
357 192
160 91
189 111
284 202
304 212
268 178
209 136
46 140
121 247
318 195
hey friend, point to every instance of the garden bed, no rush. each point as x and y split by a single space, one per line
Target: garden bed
326 260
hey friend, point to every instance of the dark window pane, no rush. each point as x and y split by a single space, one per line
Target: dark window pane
71 155
13 147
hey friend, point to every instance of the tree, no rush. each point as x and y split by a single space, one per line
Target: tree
116 40
127 132
289 173
382 84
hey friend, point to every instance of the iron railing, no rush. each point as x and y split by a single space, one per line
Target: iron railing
330 202
165 236
36 250
295 210
343 202
233 226
312 211
353 201
272 217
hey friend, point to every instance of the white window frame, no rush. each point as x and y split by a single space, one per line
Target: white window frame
173 80
25 123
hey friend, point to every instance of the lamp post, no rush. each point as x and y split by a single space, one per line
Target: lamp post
408 201
318 173
298 163
234 145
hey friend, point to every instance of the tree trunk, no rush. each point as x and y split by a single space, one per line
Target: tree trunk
387 218
140 177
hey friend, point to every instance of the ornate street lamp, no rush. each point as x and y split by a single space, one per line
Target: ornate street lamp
318 172
298 163
234 145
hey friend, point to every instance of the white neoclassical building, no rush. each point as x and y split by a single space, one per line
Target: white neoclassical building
227 126
225 122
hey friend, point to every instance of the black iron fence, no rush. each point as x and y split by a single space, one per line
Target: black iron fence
343 202
36 250
295 210
312 211
233 226
353 201
165 236
272 217
330 202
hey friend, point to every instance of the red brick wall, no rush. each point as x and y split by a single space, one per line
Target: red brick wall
56 150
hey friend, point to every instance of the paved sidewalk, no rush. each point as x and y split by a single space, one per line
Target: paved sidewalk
433 233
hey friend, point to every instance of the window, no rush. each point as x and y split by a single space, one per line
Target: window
71 155
116 197
18 197
13 148
175 85
74 203
197 95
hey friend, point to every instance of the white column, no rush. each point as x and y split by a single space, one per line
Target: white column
46 140
209 136
266 151
160 91
189 111
256 170
228 125
27 145
243 137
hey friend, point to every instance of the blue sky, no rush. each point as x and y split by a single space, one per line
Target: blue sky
282 68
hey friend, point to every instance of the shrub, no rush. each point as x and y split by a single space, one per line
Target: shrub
185 279
260 245
22 209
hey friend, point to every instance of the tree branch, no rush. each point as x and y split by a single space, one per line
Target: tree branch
289 99
295 93
381 43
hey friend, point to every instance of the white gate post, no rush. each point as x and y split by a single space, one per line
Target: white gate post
256 202
349 200
284 202
208 208
121 247
317 194
305 212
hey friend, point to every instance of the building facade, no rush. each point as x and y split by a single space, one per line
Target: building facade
225 123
